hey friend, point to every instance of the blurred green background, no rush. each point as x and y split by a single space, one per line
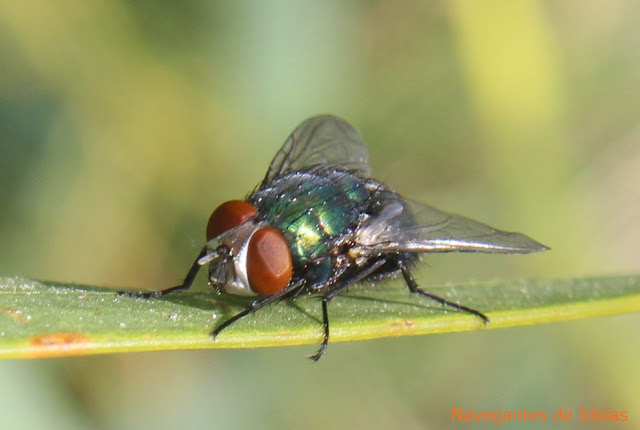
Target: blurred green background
124 124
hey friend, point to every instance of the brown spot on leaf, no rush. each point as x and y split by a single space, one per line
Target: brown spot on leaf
58 344
402 325
16 314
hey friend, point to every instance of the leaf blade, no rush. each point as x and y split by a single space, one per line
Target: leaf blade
41 319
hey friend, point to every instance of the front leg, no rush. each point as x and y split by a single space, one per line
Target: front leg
186 284
256 305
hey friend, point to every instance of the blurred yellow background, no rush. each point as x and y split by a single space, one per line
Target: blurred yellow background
124 124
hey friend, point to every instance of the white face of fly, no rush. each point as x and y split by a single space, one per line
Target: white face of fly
227 259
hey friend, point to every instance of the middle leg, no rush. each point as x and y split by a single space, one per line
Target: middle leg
364 273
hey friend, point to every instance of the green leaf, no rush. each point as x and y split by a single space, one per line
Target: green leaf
44 319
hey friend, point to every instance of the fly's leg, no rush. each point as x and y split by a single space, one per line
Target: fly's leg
256 306
325 327
188 281
413 287
367 271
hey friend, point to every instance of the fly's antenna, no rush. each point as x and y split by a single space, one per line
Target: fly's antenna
213 254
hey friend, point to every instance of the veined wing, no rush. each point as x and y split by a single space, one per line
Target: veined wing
405 225
324 140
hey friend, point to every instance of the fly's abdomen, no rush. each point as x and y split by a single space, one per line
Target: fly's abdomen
312 210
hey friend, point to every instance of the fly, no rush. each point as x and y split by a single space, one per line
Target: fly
318 223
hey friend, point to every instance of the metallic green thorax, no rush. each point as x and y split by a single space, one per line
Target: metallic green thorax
312 210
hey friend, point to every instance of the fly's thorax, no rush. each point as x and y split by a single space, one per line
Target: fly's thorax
313 209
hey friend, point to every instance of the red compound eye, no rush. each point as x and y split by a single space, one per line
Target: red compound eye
269 264
229 215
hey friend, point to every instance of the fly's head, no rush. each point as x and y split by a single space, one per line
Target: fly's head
245 255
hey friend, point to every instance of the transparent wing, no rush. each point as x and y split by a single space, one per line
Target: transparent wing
405 225
323 140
